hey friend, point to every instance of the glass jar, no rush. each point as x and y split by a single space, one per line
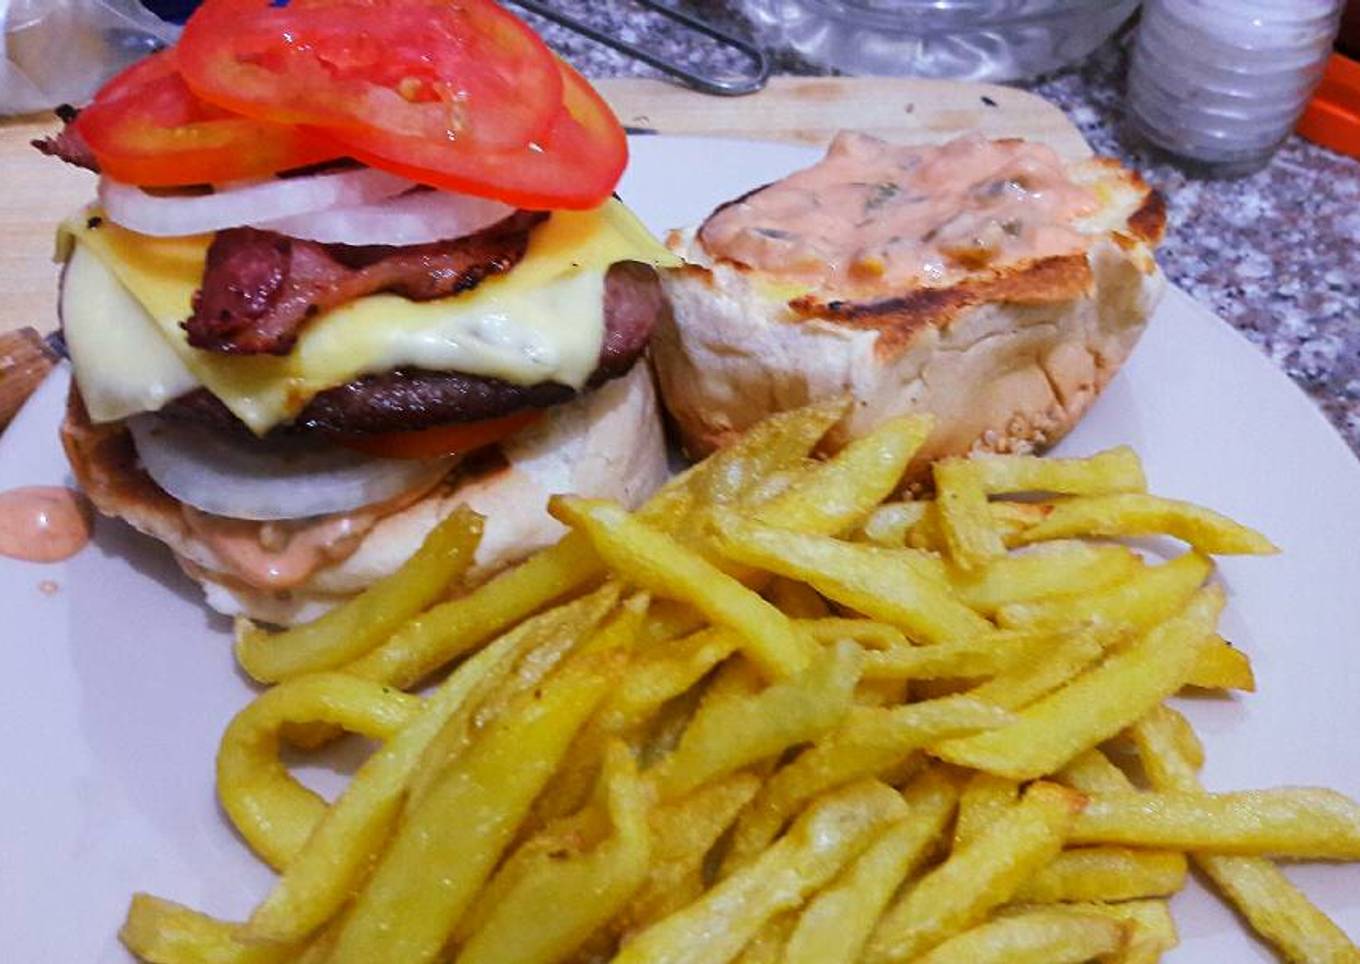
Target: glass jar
960 39
1221 83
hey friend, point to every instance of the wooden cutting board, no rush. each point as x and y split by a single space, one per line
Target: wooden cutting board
37 192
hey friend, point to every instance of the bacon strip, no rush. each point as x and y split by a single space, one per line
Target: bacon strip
260 288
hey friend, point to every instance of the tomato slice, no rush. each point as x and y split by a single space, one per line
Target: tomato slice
467 74
146 127
575 165
429 443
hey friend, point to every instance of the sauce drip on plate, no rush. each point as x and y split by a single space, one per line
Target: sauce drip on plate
874 215
44 523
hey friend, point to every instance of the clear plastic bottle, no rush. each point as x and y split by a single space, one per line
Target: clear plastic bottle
1220 83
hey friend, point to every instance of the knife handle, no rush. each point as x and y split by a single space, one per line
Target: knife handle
25 361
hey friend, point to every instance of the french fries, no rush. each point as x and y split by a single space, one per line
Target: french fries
719 924
1278 910
658 563
834 926
1096 705
1034 937
539 918
1137 514
1105 473
869 580
770 718
1288 822
976 877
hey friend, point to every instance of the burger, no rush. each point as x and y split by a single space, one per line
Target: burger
992 284
352 264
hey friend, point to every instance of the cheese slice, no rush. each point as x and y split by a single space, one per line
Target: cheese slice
542 321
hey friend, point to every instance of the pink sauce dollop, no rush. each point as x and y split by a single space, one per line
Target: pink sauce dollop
43 523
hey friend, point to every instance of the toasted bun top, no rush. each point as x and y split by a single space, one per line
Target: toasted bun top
1006 358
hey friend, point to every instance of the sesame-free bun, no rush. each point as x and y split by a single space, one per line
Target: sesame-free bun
605 444
1007 359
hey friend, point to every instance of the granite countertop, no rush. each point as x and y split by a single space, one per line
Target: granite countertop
1277 254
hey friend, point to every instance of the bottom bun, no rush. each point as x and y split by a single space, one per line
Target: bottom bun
607 444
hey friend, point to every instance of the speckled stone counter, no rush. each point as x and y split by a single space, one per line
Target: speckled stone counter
1277 254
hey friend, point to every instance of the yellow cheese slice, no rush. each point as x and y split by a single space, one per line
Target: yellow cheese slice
122 362
543 321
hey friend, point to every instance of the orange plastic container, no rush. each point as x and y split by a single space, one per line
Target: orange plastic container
1332 117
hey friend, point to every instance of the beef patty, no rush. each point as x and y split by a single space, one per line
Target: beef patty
409 399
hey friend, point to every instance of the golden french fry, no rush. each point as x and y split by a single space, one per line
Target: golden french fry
889 524
719 924
1105 473
660 673
984 798
1092 772
1008 518
1300 822
872 581
554 906
1041 672
445 849
833 927
866 632
1033 937
797 600
771 444
163 932
667 620
985 655
1137 514
871 741
683 832
782 715
272 810
1153 595
1271 903
1151 929
1223 667
767 947
977 877
1105 873
330 865
654 561
1049 569
353 628
837 495
450 629
1096 705
541 643
965 519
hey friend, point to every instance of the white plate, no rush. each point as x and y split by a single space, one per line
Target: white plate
115 688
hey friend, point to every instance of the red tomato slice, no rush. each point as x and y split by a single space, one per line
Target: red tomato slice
429 443
575 165
146 127
467 75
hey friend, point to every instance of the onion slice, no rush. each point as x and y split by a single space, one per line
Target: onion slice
415 217
165 216
262 480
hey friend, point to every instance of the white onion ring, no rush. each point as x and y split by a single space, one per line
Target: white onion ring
262 480
416 217
257 201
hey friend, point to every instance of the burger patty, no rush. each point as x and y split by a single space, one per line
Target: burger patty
410 399
260 288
